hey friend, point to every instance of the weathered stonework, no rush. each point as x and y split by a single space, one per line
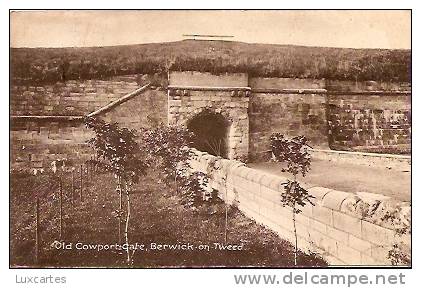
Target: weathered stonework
185 103
191 93
69 98
345 228
342 115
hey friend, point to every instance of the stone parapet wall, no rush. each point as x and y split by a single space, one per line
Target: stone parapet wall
338 226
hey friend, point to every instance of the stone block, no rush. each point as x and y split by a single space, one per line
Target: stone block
349 255
368 260
270 194
265 203
302 220
324 242
318 226
242 183
359 244
334 199
323 214
334 261
305 246
347 223
255 176
303 232
284 221
376 234
381 253
247 203
281 231
307 210
337 234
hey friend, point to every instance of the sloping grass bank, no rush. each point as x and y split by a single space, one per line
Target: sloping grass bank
157 217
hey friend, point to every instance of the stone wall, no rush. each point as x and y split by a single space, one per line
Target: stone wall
69 98
35 144
341 115
204 79
338 226
290 114
370 122
222 94
146 109
37 141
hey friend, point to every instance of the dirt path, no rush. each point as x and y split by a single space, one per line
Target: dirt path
352 178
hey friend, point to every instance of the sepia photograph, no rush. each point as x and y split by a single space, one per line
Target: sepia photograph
210 139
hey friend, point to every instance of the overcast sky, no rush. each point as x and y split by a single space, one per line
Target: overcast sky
353 29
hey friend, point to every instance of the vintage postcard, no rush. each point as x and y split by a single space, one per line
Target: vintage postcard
210 138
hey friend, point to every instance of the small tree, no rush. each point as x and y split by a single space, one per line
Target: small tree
119 153
170 149
294 153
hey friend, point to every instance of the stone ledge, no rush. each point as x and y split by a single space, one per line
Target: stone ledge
208 88
334 199
340 216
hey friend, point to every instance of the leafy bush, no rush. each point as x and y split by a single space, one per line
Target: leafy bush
193 189
117 150
400 253
170 150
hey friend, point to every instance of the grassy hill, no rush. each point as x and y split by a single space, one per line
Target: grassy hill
47 65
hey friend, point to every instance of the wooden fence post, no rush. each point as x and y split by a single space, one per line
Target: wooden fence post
37 239
81 182
73 186
61 209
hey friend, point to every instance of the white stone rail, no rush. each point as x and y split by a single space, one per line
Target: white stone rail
345 228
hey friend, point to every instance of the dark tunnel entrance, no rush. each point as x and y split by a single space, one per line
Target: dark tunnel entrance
211 133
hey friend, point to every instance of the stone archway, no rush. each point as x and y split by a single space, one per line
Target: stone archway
223 95
211 132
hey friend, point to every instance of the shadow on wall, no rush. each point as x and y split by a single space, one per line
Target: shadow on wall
211 133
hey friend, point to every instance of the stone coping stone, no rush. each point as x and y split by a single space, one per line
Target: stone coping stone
319 193
370 207
334 198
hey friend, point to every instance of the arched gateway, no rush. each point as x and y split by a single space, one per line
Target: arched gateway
215 108
211 132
